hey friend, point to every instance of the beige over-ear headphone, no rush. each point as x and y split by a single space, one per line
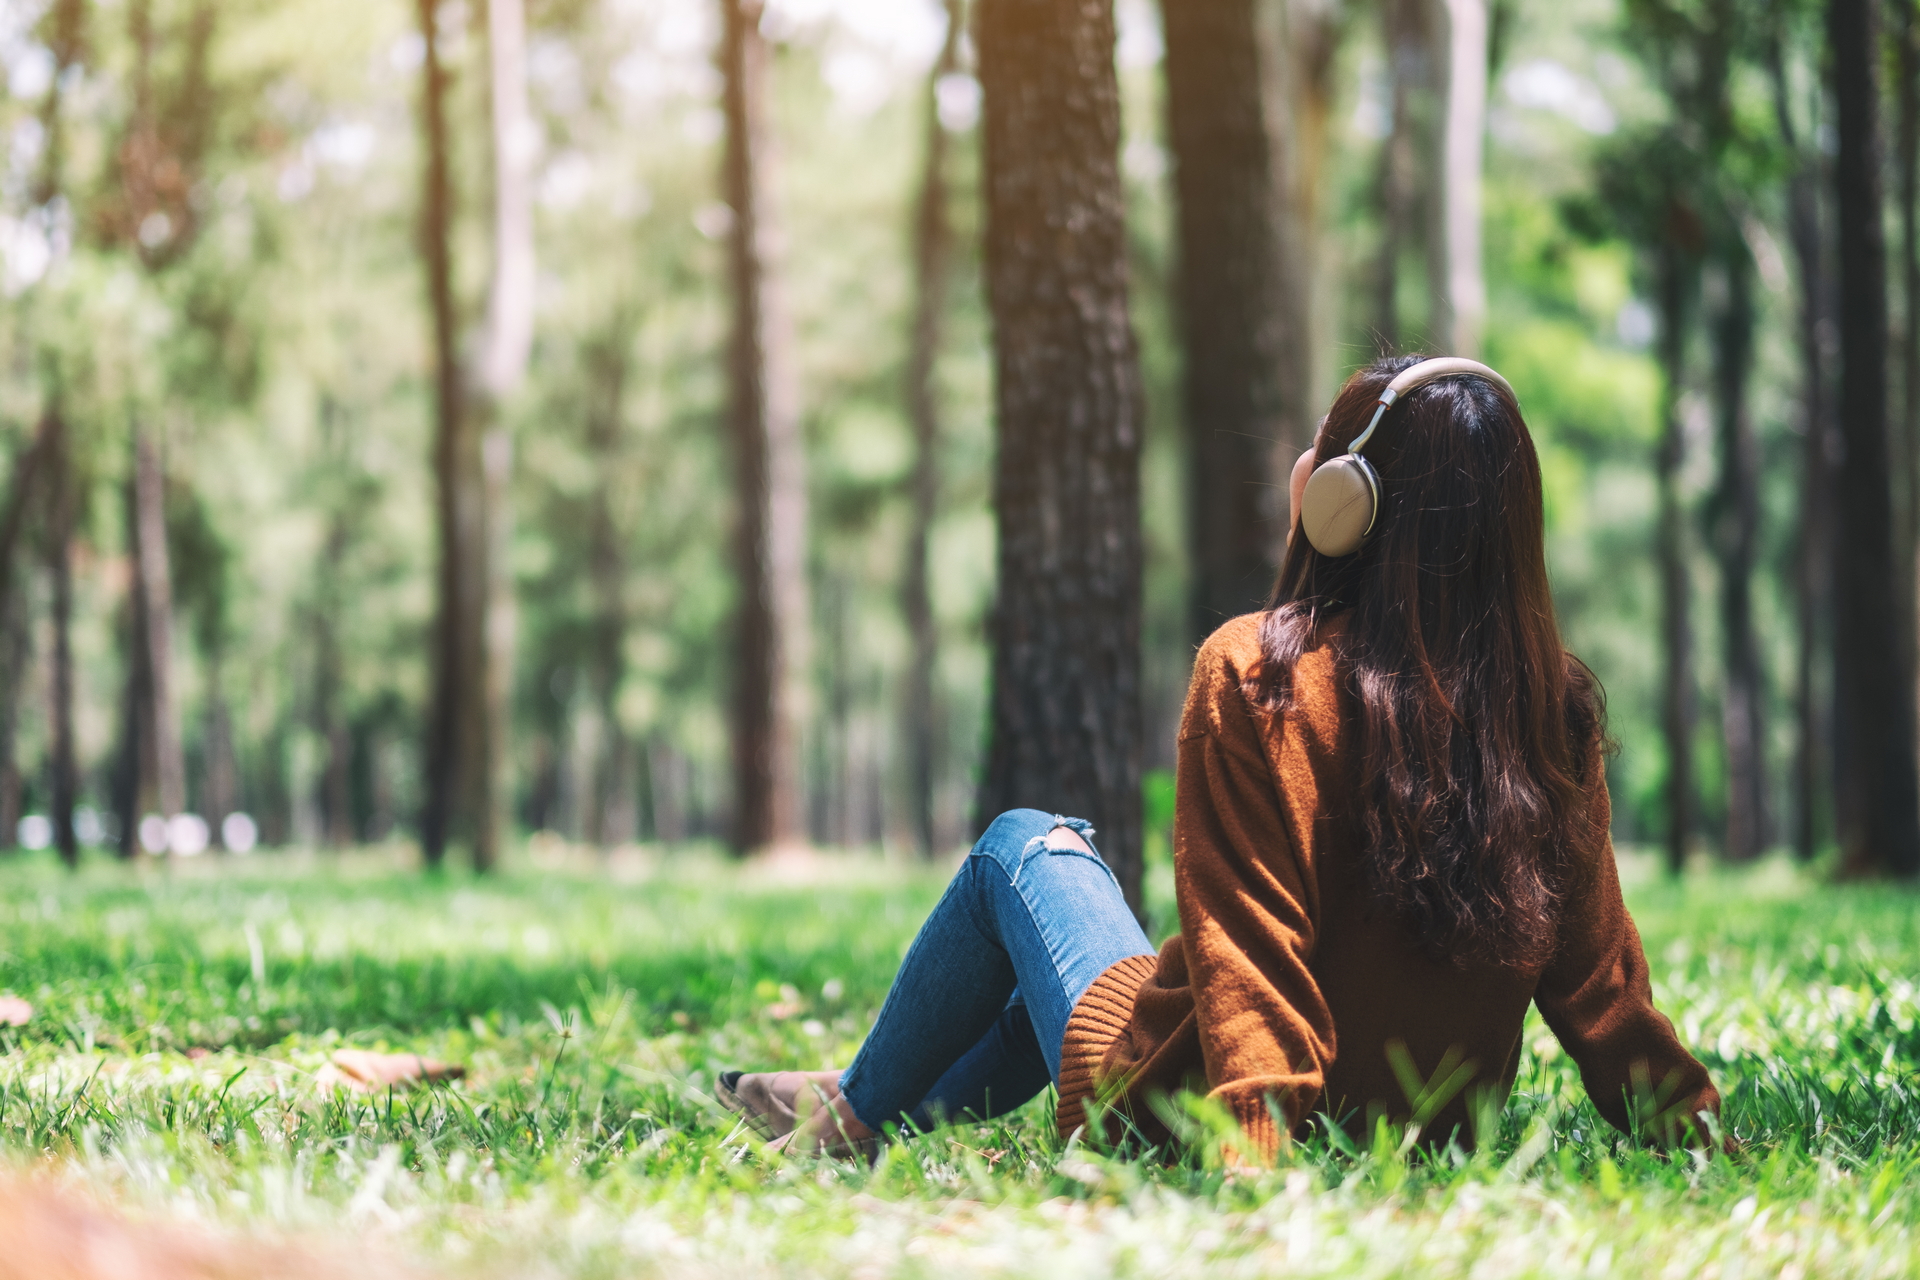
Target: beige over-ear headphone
1342 499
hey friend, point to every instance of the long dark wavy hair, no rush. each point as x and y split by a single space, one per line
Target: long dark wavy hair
1479 732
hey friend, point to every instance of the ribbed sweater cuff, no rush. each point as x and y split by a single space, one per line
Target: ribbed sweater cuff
1256 1121
1100 1018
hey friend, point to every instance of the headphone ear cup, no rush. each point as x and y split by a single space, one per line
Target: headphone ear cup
1338 508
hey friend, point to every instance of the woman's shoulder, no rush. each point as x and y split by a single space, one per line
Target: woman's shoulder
1227 671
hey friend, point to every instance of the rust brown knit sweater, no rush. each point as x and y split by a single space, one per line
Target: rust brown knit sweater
1285 984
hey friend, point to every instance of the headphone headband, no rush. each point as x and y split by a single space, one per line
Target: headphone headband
1419 375
1342 497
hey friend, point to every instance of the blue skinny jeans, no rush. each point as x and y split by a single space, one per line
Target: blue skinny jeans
974 1019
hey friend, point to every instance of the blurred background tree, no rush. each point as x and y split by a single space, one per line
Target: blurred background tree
446 422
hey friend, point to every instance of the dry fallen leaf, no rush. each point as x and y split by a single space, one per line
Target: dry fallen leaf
365 1070
14 1012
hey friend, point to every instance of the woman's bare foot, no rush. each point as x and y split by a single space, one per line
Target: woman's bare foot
779 1100
832 1130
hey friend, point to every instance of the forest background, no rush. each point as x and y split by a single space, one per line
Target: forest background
253 251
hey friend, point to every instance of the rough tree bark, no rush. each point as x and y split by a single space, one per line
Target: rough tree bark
1460 294
1876 793
1743 702
771 619
453 727
1229 299
932 264
1065 721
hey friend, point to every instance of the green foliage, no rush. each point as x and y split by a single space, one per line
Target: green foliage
181 1020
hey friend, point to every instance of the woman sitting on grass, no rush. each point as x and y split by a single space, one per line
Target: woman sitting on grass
1390 836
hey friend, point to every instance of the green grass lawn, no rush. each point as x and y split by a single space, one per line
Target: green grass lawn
180 1019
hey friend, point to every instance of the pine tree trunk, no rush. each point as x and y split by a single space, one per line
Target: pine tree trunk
932 263
1230 301
1065 721
1677 694
1743 705
1877 795
1461 303
330 720
771 617
61 500
457 674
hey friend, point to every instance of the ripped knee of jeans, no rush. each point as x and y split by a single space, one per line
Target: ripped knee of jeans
1065 839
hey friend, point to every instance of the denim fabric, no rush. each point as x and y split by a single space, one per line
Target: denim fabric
975 1017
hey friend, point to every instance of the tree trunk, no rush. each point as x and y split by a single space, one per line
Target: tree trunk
1907 178
771 618
61 500
932 263
452 737
1743 703
1877 806
1299 114
1813 605
330 719
1230 301
1409 43
15 635
611 820
508 343
1460 303
220 791
1065 726
1677 696
162 784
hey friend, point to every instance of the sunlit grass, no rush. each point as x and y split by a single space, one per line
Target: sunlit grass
180 1020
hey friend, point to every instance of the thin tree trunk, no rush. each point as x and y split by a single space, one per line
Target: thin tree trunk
771 618
1410 69
164 789
1299 112
456 671
61 500
1677 696
508 343
1907 178
1876 787
1813 584
1065 726
219 793
1743 704
932 263
1461 303
330 720
1230 300
611 820
16 636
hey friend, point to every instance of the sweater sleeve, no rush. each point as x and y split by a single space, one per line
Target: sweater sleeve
1247 915
1597 999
